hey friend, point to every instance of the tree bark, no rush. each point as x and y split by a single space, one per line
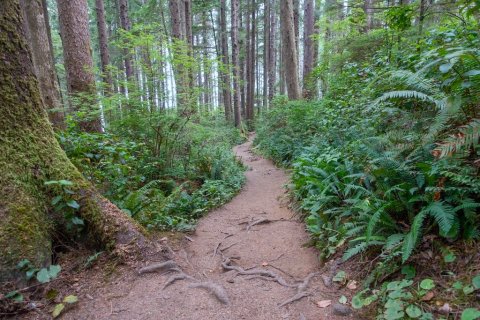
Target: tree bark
126 26
206 62
225 75
36 29
73 21
251 29
266 48
368 8
289 50
272 52
236 63
31 156
103 45
308 48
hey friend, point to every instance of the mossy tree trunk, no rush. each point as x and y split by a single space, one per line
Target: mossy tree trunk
30 156
37 34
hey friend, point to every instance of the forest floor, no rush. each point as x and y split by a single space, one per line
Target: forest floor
258 232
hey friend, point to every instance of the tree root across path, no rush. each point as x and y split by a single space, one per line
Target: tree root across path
268 275
217 290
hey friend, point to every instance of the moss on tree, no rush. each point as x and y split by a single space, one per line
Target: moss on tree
30 155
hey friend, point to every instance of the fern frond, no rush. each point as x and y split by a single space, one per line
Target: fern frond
411 238
359 248
374 219
443 214
410 94
467 136
393 241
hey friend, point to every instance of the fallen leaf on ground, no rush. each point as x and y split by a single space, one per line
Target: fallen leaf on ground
428 296
352 285
324 303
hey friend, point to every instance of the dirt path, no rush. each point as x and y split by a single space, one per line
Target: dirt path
277 246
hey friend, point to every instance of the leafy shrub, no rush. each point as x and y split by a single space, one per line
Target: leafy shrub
380 166
162 169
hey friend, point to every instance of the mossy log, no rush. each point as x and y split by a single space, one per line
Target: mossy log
29 156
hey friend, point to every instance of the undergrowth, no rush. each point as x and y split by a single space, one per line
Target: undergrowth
388 159
164 170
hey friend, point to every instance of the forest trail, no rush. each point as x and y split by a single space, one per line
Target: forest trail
278 246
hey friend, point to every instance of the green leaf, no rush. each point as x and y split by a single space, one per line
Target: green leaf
470 314
468 289
77 221
357 301
23 264
409 271
471 73
56 200
343 300
43 275
65 182
14 295
54 270
73 204
70 299
413 311
340 276
458 285
58 310
476 282
444 68
427 284
449 257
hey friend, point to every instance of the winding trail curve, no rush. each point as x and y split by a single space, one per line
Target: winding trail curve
278 246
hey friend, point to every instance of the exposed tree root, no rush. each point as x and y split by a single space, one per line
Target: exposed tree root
219 244
159 267
304 284
215 289
257 222
256 272
176 277
296 297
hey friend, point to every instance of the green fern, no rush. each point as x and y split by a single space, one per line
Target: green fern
468 136
443 214
412 237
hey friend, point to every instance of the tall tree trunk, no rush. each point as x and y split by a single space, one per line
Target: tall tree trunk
272 52
368 8
73 21
289 50
206 62
266 49
38 37
125 25
308 48
421 17
31 156
236 63
103 45
250 47
296 24
225 73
